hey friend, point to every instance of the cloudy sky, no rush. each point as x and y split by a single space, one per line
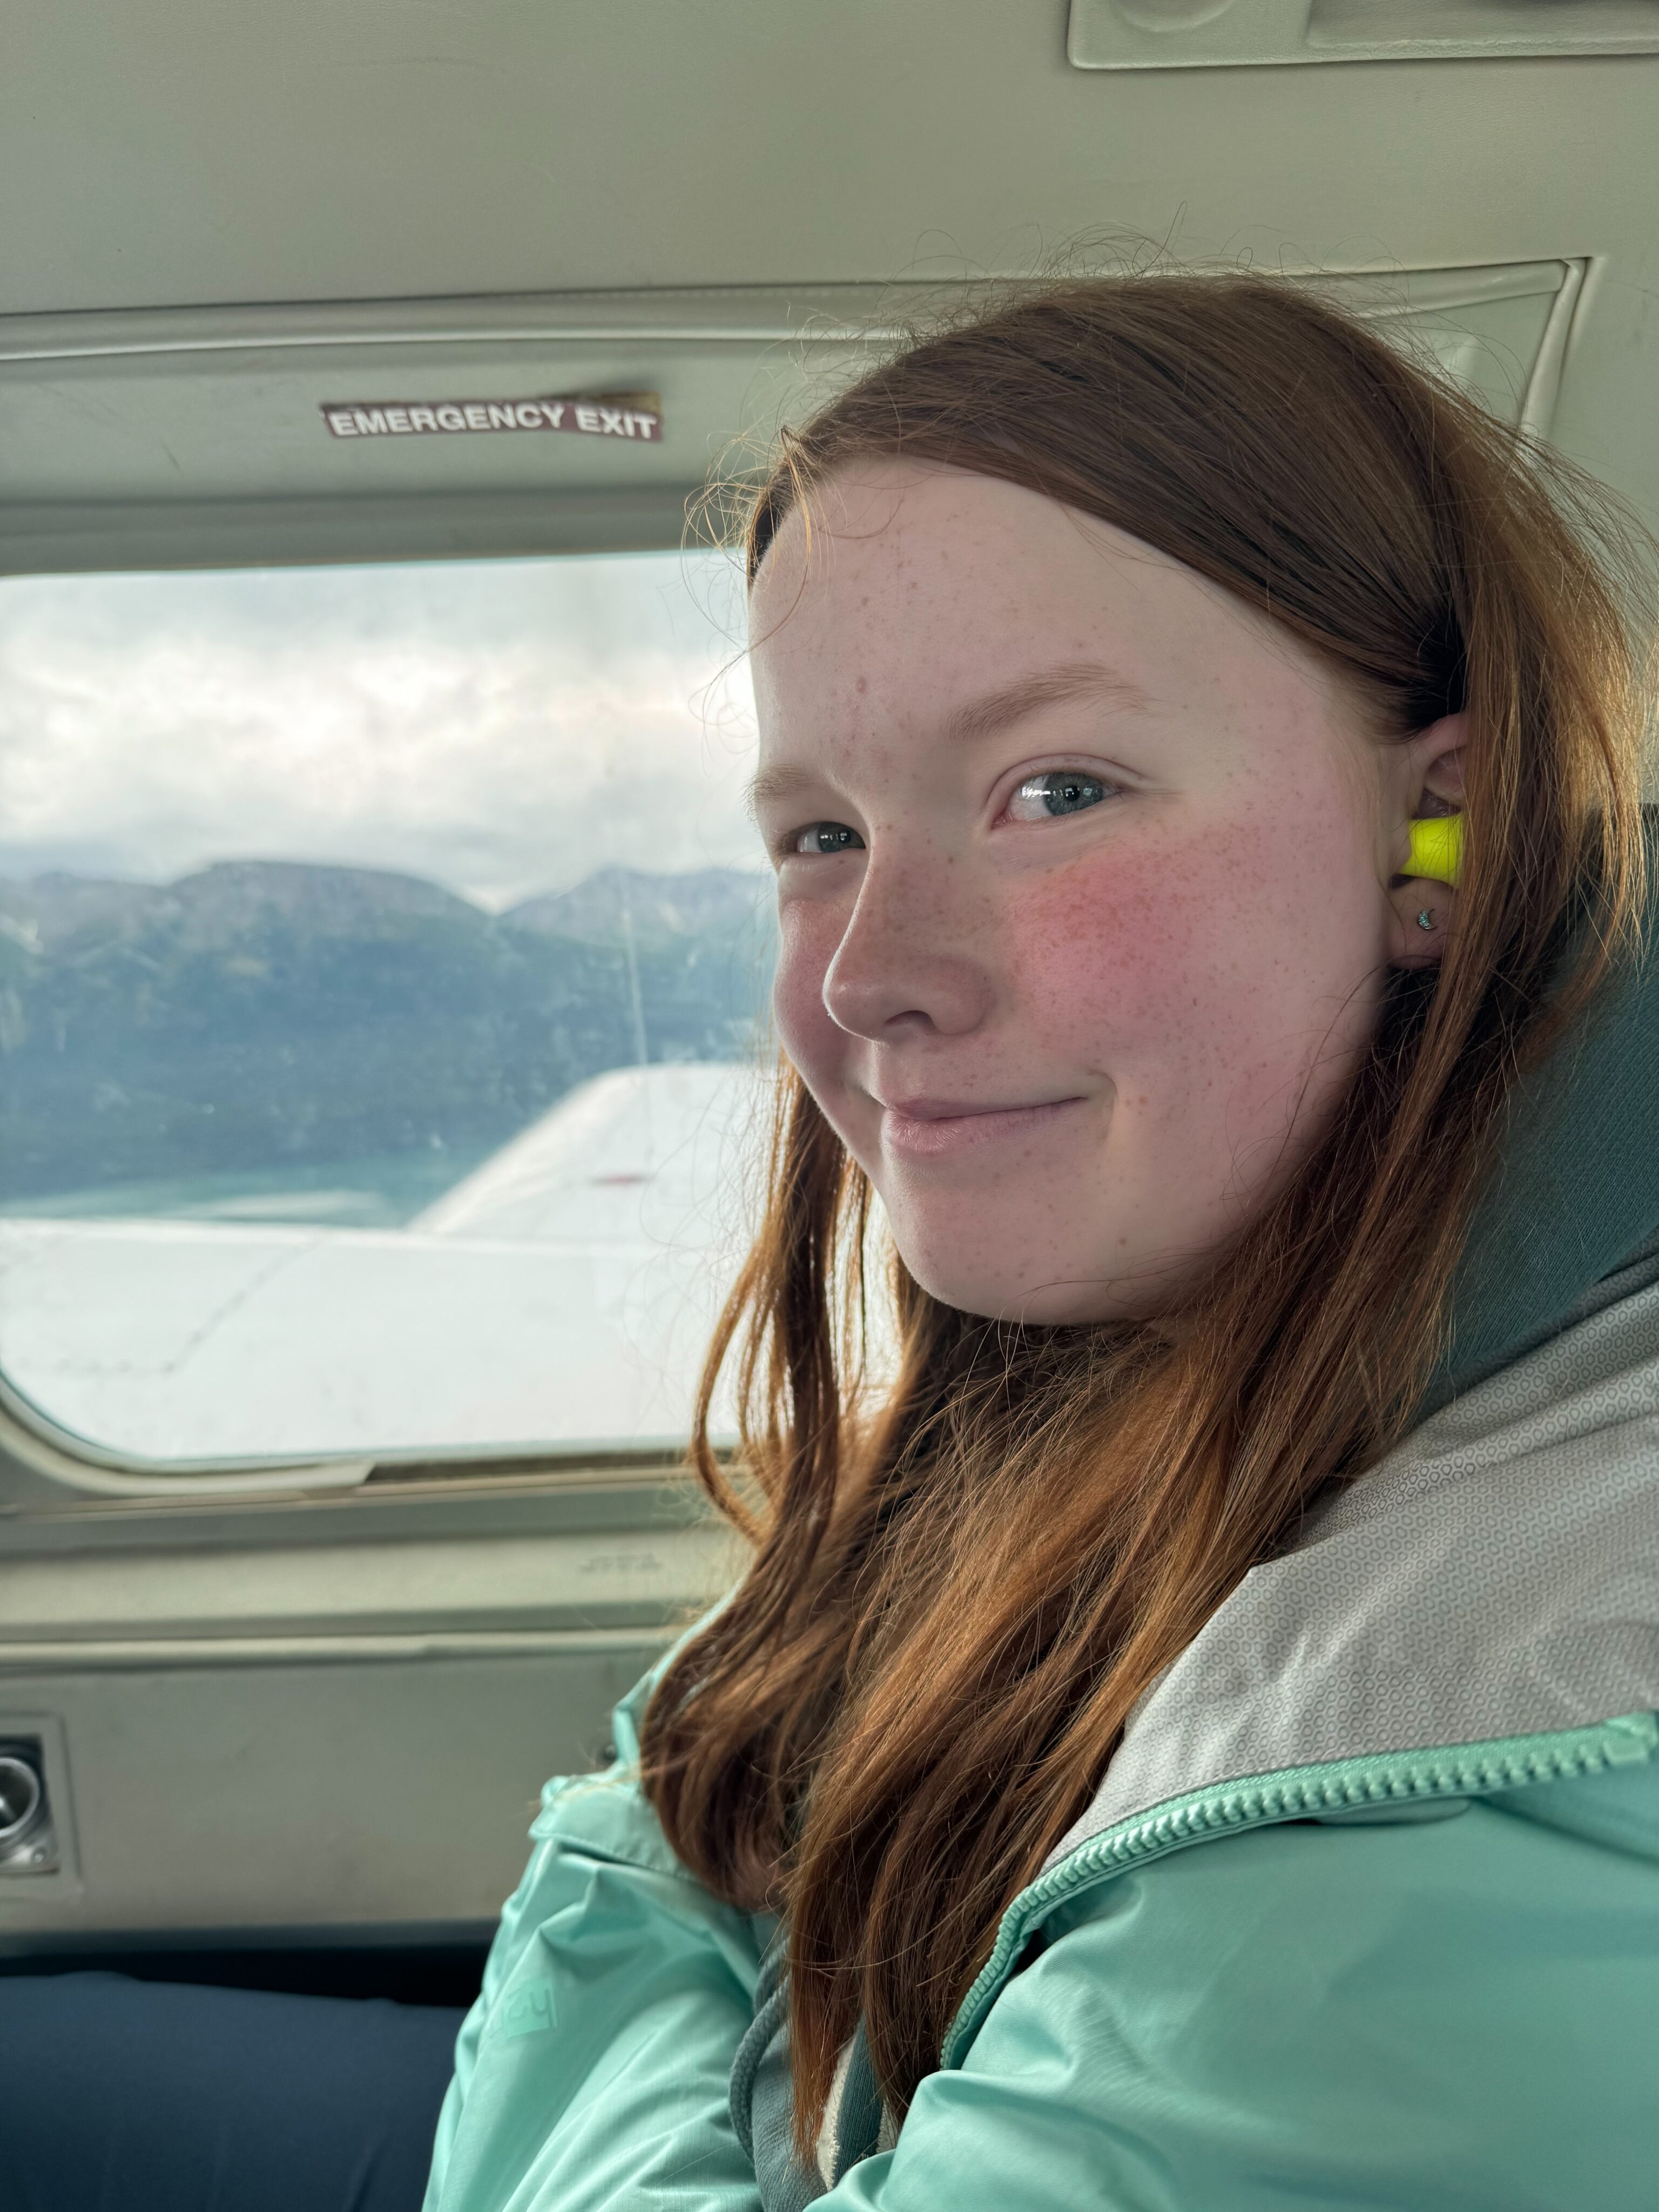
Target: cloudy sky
504 727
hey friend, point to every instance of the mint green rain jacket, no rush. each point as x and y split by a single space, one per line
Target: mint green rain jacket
1366 1911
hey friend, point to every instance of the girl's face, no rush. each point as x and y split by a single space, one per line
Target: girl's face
1083 880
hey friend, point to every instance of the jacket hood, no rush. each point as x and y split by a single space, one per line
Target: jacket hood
1495 1578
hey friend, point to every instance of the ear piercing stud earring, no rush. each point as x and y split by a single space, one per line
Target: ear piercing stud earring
1425 919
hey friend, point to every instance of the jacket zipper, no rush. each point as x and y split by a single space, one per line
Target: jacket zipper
1344 1785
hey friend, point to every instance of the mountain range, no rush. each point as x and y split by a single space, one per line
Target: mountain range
260 1016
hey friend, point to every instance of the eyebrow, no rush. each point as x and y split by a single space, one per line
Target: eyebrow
991 711
1074 679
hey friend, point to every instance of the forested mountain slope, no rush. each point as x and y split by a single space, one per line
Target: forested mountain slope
259 1015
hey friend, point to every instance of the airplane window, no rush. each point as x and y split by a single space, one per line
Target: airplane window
383 952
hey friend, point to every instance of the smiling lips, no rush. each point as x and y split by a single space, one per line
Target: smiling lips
933 1129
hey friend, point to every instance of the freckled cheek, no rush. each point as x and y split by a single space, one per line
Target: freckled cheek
808 940
1113 957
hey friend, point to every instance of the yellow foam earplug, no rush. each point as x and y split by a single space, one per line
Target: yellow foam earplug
1437 848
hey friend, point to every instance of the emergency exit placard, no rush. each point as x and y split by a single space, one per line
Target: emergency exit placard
636 415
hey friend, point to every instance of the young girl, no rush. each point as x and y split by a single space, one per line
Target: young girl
1189 1742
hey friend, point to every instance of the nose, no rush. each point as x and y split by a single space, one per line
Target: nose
908 958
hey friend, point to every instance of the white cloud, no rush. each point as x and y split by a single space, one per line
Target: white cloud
504 727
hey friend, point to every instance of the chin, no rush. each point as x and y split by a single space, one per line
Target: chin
991 1276
999 1295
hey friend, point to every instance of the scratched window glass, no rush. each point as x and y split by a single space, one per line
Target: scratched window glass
383 959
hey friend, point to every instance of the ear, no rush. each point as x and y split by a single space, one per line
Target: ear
1429 780
1437 756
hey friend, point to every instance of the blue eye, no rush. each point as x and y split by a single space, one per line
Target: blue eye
1057 791
826 837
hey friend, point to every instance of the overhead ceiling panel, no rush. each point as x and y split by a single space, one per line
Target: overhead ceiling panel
215 435
225 154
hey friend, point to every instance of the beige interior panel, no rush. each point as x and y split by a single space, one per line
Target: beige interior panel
202 435
213 153
452 1585
364 1790
324 1712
